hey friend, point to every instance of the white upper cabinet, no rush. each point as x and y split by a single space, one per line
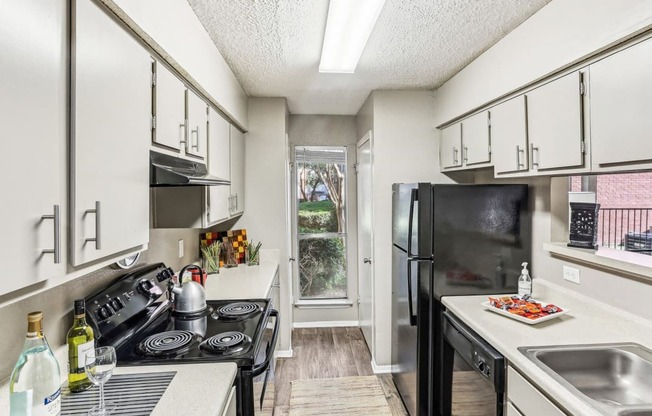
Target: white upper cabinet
475 139
196 125
450 149
168 108
509 136
621 116
555 124
466 144
33 115
237 200
219 164
111 108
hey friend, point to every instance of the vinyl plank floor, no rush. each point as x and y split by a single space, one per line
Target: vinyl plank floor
328 353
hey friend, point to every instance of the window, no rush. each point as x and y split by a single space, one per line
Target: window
320 178
625 215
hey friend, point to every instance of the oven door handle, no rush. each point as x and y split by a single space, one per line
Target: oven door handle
260 369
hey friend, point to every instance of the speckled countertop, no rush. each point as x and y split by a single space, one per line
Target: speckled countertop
196 389
587 322
242 282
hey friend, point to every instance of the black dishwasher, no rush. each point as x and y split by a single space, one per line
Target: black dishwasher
473 372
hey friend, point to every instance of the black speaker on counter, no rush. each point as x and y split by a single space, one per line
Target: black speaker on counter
583 225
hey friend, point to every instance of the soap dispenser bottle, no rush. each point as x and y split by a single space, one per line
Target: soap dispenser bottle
524 282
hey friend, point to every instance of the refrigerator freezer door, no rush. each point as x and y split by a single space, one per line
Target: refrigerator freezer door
481 236
404 332
401 208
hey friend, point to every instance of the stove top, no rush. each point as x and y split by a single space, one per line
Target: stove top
210 338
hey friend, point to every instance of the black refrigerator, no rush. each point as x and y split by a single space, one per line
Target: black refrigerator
448 240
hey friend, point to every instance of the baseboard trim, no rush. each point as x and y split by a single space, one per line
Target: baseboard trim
325 324
285 353
380 369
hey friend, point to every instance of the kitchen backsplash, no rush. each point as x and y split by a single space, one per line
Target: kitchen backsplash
56 303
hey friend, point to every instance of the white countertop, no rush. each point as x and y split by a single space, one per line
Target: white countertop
242 282
196 389
587 322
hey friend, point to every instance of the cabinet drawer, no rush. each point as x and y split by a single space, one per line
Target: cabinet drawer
527 398
230 408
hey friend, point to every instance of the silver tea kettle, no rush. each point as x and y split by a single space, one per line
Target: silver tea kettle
187 297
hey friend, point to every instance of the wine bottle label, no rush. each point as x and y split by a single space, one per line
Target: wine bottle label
51 405
84 350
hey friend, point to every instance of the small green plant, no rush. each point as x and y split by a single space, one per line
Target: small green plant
211 256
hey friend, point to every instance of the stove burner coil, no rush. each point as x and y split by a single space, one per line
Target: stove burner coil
238 309
226 342
168 342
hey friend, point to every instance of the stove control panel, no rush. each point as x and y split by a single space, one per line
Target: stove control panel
126 297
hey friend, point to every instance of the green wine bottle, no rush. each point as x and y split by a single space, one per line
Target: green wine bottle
81 342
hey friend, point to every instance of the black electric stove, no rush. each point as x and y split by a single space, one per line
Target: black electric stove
145 330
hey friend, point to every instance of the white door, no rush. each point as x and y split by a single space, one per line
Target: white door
365 239
169 108
219 164
33 114
450 146
475 139
509 136
237 171
111 109
197 120
554 122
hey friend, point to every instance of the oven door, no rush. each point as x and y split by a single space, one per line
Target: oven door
263 371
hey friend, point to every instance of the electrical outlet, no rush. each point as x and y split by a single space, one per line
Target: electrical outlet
571 274
180 248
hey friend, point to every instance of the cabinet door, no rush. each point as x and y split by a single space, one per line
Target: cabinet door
197 111
237 171
509 136
621 93
451 146
475 139
111 106
168 108
219 164
33 115
510 410
528 398
554 115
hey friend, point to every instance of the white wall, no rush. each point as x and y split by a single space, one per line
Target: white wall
404 150
561 33
265 198
176 28
328 130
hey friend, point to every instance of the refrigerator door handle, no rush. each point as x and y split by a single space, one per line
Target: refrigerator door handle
413 317
413 198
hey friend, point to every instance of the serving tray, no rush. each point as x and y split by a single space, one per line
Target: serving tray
529 321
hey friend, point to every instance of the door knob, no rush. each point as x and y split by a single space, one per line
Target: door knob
367 260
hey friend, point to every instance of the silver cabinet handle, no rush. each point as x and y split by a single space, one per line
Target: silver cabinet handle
182 136
56 216
465 154
455 156
532 150
98 235
519 165
366 260
235 198
196 132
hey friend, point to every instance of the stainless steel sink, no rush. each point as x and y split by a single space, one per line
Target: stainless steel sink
616 379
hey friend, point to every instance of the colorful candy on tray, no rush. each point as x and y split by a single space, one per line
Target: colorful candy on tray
525 307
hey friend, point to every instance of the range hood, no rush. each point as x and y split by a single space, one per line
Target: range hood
168 170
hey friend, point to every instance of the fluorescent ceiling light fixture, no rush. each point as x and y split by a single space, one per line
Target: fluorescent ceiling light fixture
348 27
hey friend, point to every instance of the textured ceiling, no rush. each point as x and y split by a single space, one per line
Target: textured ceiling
274 46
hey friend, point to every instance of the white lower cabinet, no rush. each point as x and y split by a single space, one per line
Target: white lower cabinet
110 105
33 115
230 409
527 398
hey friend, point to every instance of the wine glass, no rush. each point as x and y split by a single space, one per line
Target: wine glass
99 367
